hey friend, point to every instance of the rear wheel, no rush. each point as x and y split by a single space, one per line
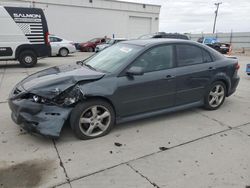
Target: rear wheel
92 119
63 52
90 49
215 96
27 58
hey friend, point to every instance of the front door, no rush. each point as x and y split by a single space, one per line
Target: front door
153 90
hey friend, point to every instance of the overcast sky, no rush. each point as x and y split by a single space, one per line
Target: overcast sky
197 16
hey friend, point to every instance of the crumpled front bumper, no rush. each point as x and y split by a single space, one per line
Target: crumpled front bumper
43 119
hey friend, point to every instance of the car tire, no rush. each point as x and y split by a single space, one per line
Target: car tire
92 119
215 95
248 74
63 52
90 49
27 58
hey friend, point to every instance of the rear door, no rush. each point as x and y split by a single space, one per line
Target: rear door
194 73
153 90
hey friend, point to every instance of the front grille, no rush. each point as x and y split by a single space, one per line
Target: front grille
17 91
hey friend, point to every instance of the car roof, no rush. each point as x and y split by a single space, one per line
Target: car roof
119 39
152 42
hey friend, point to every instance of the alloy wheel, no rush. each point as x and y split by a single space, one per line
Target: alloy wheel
94 120
216 95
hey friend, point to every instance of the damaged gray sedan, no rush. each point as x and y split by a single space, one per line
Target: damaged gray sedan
128 81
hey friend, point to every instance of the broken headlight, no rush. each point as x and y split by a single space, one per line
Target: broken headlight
69 96
39 99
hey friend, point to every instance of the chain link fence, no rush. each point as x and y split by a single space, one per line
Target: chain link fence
240 41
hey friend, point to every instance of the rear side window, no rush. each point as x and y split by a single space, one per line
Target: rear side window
206 57
188 55
55 39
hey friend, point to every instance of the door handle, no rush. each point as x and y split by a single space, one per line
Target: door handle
211 68
169 77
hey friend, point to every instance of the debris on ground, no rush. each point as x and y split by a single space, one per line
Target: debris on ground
118 144
163 148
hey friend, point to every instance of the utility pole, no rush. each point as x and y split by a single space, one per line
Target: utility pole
216 13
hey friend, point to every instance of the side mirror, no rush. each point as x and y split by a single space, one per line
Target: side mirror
132 71
80 62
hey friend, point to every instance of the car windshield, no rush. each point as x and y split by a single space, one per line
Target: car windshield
93 40
111 41
113 58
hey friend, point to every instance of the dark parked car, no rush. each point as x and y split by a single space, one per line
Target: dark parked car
159 35
90 46
129 80
214 43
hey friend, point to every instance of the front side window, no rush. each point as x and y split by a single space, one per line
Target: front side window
188 55
155 59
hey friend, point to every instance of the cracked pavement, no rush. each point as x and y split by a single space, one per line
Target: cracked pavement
191 148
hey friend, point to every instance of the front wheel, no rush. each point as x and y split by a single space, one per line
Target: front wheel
27 58
92 119
215 96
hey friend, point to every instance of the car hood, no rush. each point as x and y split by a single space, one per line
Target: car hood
52 81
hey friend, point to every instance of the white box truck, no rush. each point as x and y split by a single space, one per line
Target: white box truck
24 35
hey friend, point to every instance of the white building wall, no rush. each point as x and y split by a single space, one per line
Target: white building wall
80 20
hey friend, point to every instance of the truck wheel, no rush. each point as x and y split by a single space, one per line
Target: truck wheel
27 58
63 52
92 119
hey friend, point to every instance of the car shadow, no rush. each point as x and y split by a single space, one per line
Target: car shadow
67 134
17 65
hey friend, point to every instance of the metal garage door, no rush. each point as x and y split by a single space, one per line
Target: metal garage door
139 26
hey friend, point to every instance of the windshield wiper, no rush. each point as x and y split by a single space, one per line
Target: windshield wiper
89 66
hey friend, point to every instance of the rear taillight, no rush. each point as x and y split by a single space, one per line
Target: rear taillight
237 66
47 38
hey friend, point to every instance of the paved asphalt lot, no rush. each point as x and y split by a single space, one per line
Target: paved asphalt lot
193 148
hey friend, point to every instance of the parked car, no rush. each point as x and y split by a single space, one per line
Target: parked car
61 46
127 81
90 46
23 35
164 35
214 43
109 43
248 69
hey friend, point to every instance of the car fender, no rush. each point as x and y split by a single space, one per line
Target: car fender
224 78
101 89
